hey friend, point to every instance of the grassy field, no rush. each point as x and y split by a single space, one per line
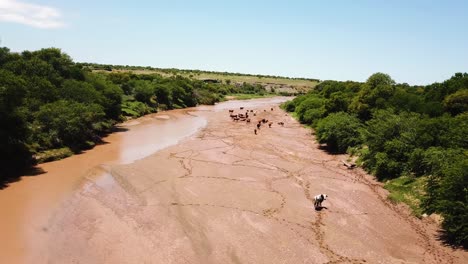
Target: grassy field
279 84
247 96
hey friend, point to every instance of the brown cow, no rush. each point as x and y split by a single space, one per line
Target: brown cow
248 120
258 125
231 111
241 107
272 109
255 131
269 124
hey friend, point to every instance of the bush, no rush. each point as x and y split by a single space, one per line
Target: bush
53 154
339 131
447 192
288 106
66 123
312 101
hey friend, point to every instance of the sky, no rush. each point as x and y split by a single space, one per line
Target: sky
414 41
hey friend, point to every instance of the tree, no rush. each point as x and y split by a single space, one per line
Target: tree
13 131
390 139
375 93
457 102
339 131
314 104
144 92
67 123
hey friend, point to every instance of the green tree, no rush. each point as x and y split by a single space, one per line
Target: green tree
67 123
375 94
314 105
457 102
144 92
13 131
339 131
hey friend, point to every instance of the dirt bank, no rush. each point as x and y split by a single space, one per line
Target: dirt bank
227 195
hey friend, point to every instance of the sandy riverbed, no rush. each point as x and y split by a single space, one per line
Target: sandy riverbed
224 195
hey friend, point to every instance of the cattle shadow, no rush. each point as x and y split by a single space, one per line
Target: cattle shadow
320 208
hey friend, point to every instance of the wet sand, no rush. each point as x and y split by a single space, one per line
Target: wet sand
224 195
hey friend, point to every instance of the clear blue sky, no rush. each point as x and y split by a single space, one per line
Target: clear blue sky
417 41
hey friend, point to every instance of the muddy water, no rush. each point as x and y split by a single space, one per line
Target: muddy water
27 205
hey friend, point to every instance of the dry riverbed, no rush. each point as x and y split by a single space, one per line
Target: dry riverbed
223 195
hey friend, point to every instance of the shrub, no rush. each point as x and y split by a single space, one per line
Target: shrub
339 131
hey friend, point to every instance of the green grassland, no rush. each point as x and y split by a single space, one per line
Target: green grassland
275 83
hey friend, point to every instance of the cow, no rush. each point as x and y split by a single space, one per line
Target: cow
258 125
241 107
269 124
255 131
318 199
248 120
231 111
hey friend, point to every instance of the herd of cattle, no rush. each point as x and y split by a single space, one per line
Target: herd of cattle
247 118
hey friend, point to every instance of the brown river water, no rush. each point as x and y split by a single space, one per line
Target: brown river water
193 186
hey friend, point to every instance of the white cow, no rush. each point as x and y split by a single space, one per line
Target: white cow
318 199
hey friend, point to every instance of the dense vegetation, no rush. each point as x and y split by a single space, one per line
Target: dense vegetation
51 107
412 137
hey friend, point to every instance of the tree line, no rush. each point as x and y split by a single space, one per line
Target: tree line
52 107
398 130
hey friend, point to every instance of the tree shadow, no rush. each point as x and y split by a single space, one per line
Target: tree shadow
10 176
117 129
447 240
329 150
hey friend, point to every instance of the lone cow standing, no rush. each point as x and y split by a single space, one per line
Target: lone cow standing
318 199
